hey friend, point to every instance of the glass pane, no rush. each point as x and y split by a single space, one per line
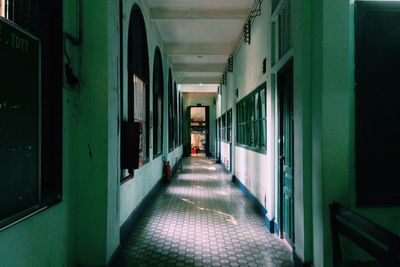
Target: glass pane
253 133
263 103
256 133
257 105
139 97
159 127
243 110
250 109
285 28
262 133
240 135
247 134
240 113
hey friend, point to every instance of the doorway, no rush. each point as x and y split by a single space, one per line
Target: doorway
286 155
199 131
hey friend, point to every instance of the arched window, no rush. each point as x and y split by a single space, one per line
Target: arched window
158 103
175 98
180 118
170 113
138 88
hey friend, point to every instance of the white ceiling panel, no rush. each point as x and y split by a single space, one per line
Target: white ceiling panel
208 67
198 74
199 35
199 88
199 80
201 59
193 31
198 14
200 4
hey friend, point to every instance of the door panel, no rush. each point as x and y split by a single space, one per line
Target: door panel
285 92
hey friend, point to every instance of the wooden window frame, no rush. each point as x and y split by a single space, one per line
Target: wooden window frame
175 115
170 113
246 122
158 93
138 66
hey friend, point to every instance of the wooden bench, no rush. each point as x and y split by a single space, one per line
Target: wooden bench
381 244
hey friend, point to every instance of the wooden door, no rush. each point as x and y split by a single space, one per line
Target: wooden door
286 161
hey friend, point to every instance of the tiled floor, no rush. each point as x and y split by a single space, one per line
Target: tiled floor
202 219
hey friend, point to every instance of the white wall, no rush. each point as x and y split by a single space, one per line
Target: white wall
225 155
255 170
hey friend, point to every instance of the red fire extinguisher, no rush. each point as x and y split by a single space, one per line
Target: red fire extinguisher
167 171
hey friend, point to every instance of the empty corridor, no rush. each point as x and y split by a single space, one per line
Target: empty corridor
202 219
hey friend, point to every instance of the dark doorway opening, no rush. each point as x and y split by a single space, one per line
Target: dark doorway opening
199 131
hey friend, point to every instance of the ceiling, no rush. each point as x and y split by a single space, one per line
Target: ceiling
199 35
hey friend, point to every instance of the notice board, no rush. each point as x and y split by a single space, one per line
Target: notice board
19 120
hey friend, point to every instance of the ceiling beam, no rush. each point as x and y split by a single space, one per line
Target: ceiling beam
178 14
198 80
208 67
174 49
210 88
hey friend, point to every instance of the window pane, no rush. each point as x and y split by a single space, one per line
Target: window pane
241 134
139 97
256 133
170 113
244 112
263 100
253 128
257 105
159 126
262 133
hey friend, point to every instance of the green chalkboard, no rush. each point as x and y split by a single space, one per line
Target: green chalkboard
19 121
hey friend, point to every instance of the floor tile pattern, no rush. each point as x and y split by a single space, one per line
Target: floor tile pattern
202 219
